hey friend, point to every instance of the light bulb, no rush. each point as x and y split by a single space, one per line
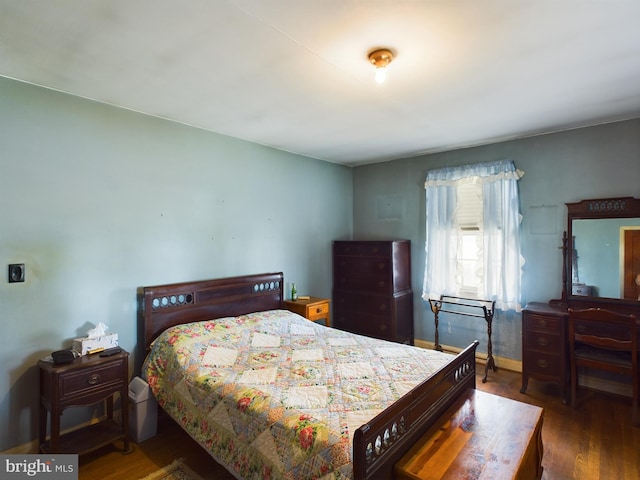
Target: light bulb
381 74
380 59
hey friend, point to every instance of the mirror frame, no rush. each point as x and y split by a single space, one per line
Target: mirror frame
597 208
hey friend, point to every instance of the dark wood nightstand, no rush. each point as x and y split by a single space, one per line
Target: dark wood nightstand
313 308
87 380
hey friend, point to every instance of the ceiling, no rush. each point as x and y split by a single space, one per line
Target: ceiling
294 74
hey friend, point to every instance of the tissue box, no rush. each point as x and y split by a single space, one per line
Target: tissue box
85 345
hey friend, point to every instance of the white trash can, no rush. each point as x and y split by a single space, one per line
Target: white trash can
143 411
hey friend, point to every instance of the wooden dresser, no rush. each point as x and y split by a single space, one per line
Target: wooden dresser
593 226
372 289
544 346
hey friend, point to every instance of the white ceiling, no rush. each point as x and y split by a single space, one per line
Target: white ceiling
294 74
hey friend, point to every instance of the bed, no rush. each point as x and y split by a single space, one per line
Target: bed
390 402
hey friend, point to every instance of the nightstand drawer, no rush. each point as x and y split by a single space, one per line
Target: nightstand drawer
81 381
315 312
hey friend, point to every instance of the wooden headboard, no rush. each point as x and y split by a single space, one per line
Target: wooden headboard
164 306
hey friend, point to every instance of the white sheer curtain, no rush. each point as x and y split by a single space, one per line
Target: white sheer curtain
500 262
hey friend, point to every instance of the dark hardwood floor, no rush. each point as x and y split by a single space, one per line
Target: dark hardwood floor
594 441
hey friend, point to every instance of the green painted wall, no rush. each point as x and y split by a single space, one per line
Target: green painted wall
98 201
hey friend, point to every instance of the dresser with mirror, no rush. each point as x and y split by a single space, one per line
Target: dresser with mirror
601 268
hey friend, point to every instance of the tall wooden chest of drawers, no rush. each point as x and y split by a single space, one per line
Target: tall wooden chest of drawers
544 346
372 289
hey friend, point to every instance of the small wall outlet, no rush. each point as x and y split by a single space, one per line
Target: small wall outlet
16 272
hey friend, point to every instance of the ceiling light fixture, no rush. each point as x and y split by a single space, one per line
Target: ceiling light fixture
380 59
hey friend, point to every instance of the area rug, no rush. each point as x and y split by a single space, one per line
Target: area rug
176 470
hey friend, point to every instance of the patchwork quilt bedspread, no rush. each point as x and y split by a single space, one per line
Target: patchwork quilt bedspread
272 395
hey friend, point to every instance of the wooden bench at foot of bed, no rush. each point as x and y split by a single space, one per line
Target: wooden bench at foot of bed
483 436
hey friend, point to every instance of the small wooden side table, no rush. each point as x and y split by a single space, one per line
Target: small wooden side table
313 308
87 380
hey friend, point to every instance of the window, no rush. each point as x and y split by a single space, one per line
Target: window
473 233
469 214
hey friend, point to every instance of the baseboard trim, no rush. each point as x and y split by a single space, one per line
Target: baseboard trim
25 448
501 362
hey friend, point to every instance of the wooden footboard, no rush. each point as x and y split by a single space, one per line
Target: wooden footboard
380 443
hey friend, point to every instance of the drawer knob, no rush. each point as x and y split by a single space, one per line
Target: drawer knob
542 363
542 341
544 323
319 310
94 379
